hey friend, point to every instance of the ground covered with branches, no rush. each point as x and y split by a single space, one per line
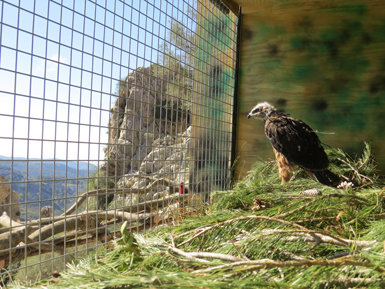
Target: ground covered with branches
261 234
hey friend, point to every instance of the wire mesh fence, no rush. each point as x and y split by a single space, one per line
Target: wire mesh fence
111 111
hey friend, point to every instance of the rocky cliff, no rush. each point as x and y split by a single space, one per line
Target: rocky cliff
148 134
9 200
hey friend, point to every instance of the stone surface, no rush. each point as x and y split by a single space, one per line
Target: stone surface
9 200
144 117
46 212
149 138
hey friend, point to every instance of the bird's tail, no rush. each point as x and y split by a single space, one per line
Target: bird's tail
327 178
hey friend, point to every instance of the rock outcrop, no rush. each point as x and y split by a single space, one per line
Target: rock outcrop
9 200
46 212
142 113
149 135
164 168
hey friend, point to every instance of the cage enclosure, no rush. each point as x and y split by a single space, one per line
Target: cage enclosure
111 111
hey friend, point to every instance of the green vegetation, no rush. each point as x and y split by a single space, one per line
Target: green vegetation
260 235
176 65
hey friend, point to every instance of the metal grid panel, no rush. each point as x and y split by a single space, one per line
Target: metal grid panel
110 111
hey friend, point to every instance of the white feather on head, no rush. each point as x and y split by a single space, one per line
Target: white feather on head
261 110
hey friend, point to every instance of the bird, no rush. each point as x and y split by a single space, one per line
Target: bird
294 144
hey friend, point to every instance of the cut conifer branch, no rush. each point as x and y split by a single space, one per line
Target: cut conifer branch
267 263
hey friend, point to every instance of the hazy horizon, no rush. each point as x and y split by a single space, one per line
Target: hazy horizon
60 66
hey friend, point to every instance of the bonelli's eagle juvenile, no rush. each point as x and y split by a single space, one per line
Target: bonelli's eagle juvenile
294 143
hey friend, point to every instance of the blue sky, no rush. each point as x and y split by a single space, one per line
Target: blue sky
60 64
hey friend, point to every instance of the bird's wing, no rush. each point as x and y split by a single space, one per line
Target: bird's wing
296 141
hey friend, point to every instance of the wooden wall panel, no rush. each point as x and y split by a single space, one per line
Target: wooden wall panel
212 109
321 61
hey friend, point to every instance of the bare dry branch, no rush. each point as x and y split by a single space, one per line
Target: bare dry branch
20 252
14 235
7 222
149 188
87 220
210 255
322 237
268 263
187 255
85 195
12 238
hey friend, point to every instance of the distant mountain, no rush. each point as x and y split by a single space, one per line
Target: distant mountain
49 182
46 169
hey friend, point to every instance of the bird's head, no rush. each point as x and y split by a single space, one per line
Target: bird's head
261 110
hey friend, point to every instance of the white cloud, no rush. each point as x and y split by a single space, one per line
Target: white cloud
51 67
58 59
54 60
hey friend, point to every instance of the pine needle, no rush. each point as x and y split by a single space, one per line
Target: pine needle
290 240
